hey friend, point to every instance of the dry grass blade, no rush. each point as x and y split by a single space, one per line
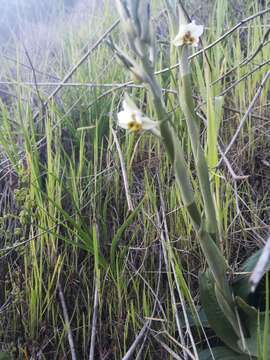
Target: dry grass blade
141 337
237 82
94 324
124 172
166 234
173 300
67 322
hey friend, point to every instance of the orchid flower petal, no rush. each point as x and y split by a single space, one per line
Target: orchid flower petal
188 34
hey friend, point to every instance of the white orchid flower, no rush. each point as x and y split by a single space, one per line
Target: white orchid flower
188 34
131 118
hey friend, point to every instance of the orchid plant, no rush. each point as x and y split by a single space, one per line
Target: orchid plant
225 304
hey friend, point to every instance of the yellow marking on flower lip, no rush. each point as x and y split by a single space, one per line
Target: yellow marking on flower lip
188 38
134 126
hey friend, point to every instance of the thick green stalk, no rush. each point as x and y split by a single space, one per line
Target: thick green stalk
187 105
211 251
173 147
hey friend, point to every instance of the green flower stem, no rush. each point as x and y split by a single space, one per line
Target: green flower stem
212 253
187 105
173 147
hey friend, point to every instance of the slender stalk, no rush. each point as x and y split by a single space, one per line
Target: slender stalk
173 147
67 322
94 324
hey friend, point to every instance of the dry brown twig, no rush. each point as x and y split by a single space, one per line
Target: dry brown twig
124 171
141 337
244 77
245 117
247 59
67 322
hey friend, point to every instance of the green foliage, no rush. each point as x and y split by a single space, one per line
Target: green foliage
257 333
121 229
5 356
221 353
215 315
241 285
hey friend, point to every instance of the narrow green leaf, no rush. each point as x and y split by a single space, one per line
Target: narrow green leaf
214 258
227 308
121 230
255 323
